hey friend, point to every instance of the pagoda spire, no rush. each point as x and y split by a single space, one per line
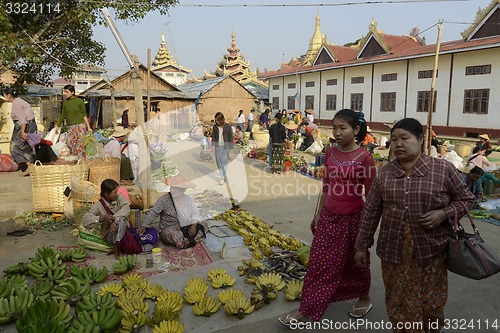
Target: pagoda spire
163 56
317 40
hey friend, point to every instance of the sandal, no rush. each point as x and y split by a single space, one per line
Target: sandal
360 312
290 319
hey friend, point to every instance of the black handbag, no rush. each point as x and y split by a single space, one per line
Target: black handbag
191 239
468 255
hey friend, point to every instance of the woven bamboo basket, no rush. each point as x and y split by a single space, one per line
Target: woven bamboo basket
91 194
48 183
104 168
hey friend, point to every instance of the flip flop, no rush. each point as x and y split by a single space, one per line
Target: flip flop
287 321
364 310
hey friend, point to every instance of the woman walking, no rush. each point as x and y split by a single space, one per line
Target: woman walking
415 196
277 134
73 110
24 123
332 275
222 141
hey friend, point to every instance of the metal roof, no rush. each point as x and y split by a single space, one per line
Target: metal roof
258 90
201 87
152 94
38 90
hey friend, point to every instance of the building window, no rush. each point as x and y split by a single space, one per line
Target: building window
291 103
331 82
310 102
476 101
388 102
169 74
331 102
357 79
478 70
389 77
427 74
310 84
424 101
276 87
276 103
291 86
357 102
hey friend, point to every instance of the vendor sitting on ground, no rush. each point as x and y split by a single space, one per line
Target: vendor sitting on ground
369 141
308 139
237 139
478 159
114 148
180 221
473 182
485 144
112 213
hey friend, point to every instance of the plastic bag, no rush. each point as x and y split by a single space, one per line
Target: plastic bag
7 163
315 148
52 136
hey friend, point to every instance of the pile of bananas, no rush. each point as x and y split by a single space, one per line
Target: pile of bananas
90 273
45 315
251 269
257 234
293 290
171 326
18 281
5 287
71 290
42 289
228 294
270 281
287 264
206 306
14 305
125 264
50 268
239 307
220 278
93 301
195 289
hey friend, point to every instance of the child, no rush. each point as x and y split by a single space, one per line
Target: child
206 146
332 275
237 135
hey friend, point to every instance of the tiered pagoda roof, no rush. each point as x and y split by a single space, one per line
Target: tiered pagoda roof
164 61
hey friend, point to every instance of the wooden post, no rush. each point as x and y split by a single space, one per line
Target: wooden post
433 84
148 111
113 103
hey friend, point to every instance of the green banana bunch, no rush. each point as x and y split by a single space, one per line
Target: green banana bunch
71 290
133 322
5 287
105 320
195 289
57 274
78 255
64 255
124 264
13 306
90 273
206 306
293 290
114 289
93 301
42 289
45 252
45 315
272 281
19 268
239 307
155 291
18 281
169 327
227 294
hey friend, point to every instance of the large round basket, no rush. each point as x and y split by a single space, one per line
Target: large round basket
48 183
90 194
463 149
104 168
261 138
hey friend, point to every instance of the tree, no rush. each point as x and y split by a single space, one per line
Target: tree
40 37
415 32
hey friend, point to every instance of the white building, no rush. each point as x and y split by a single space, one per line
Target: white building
167 68
389 78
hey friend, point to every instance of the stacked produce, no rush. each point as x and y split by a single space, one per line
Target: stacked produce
220 278
287 264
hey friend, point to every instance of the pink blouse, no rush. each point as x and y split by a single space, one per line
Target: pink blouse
346 174
21 111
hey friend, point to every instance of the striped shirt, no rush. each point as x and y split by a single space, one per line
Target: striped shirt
399 199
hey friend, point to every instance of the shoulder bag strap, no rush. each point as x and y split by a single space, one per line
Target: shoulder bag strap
106 208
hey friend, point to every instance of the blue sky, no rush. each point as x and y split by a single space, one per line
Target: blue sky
267 36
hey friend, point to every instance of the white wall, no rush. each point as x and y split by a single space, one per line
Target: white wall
364 88
337 74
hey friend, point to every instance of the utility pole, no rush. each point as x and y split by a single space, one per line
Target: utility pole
144 158
433 85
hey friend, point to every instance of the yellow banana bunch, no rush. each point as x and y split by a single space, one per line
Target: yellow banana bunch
169 327
258 299
134 307
161 313
155 291
130 296
195 289
133 277
222 281
227 294
293 290
206 306
175 304
215 271
132 322
139 286
114 289
175 296
271 281
239 307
